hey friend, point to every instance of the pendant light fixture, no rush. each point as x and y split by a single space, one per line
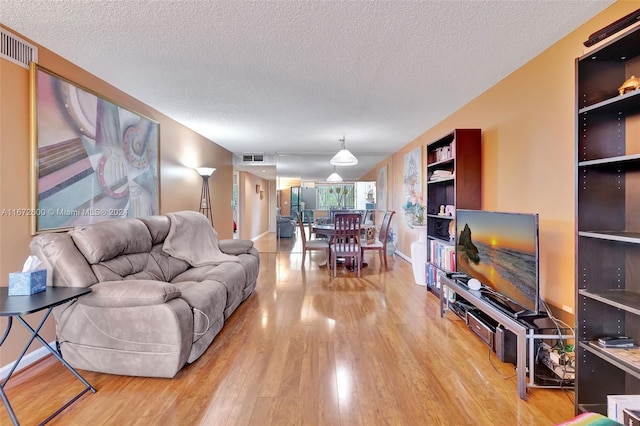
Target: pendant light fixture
334 177
344 157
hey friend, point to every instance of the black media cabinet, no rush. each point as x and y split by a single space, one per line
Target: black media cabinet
498 329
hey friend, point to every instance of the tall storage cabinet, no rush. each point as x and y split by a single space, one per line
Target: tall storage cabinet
607 220
454 178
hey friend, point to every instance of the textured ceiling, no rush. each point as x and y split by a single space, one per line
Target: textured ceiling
292 77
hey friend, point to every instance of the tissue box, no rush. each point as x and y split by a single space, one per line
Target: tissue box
26 283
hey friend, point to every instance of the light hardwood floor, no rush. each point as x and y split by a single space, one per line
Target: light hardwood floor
310 349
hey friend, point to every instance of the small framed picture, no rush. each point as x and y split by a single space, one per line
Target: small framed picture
257 189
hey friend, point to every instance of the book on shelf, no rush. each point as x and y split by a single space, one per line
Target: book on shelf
442 255
433 277
444 153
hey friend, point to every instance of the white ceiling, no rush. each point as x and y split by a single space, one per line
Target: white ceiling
292 77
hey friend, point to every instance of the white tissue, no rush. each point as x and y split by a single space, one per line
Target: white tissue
31 264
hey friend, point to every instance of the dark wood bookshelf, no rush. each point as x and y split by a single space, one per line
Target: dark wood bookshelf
607 219
461 190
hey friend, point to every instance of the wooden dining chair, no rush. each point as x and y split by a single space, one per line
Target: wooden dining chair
381 244
315 244
346 240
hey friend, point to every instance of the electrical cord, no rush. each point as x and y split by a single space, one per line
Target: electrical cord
489 352
561 346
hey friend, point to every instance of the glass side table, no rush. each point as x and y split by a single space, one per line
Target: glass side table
16 307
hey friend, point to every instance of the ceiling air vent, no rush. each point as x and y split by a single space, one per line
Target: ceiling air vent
16 50
252 158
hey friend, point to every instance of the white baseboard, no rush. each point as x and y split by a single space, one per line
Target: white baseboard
27 360
259 236
402 256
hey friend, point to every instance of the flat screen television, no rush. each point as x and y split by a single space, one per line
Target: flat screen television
501 251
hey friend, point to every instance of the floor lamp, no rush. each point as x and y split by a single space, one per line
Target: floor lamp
205 198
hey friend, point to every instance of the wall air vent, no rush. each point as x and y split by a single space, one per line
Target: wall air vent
16 50
252 158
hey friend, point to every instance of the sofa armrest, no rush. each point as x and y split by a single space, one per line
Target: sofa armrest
130 293
235 247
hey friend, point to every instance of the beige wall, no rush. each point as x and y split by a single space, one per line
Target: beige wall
181 149
254 213
528 125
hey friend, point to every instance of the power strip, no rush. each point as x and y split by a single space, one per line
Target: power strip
562 359
561 365
565 372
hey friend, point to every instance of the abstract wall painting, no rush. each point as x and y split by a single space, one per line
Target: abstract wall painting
413 172
92 160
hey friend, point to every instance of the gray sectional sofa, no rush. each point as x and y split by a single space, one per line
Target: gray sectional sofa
162 288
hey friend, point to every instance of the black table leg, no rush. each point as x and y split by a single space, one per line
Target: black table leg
36 336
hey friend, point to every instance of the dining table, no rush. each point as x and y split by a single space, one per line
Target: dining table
328 229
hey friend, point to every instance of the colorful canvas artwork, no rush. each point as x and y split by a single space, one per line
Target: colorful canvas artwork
93 160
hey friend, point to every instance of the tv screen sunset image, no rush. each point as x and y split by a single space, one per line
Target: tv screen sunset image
500 250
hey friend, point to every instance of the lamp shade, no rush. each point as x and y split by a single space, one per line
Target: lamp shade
344 157
205 171
334 177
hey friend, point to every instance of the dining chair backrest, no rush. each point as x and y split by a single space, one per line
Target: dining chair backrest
347 228
347 239
383 235
303 237
334 211
311 245
386 226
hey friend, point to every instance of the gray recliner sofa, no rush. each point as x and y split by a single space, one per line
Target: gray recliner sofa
162 288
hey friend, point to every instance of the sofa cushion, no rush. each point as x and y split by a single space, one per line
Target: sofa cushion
156 265
235 246
66 267
230 274
251 264
169 265
158 227
125 294
111 238
138 266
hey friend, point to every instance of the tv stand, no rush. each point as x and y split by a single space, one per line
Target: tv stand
523 326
